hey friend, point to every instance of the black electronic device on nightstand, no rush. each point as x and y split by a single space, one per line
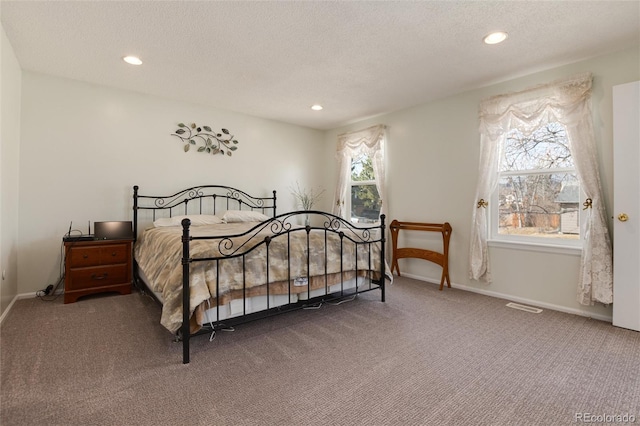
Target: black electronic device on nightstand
115 230
72 238
68 238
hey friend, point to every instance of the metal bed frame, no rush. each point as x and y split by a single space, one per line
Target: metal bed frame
207 199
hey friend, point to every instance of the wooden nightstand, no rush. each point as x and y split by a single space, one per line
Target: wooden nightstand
97 267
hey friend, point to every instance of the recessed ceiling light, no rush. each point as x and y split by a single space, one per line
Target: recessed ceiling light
495 38
133 60
316 107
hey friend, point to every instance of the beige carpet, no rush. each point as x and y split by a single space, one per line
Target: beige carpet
424 357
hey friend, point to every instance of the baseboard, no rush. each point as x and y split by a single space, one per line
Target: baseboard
523 300
6 311
23 296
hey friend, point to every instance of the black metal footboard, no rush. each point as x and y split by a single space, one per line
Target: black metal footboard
323 257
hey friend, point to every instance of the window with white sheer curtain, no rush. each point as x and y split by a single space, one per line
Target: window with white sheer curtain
360 193
567 104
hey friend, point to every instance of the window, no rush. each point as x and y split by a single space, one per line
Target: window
537 199
360 193
364 202
528 174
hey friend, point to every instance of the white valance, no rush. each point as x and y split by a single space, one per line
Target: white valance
367 141
562 101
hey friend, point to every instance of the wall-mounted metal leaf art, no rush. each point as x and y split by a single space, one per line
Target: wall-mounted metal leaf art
212 143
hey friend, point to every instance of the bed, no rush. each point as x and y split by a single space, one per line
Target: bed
215 257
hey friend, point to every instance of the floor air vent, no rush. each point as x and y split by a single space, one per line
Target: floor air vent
524 308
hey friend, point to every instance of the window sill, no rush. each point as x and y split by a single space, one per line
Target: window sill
544 248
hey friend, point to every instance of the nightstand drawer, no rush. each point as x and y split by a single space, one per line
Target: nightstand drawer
116 253
98 255
83 256
81 278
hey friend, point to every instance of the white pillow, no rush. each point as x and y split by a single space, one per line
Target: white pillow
196 219
232 216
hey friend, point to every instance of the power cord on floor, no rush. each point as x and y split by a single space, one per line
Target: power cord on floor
341 301
45 292
50 293
313 307
213 329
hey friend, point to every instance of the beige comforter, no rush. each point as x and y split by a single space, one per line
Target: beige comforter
158 253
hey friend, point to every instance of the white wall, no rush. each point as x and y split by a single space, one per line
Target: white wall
9 154
84 147
432 165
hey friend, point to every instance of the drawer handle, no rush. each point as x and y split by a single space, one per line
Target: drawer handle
98 277
85 256
113 254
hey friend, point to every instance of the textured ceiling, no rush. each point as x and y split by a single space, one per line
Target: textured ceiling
276 59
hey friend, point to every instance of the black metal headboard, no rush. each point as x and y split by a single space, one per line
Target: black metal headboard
204 199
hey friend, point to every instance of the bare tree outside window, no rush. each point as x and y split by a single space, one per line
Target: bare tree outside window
539 193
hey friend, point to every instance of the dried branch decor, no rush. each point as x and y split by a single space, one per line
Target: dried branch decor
212 143
306 198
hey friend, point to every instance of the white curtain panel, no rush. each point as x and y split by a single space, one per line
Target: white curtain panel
344 170
368 141
568 102
490 153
